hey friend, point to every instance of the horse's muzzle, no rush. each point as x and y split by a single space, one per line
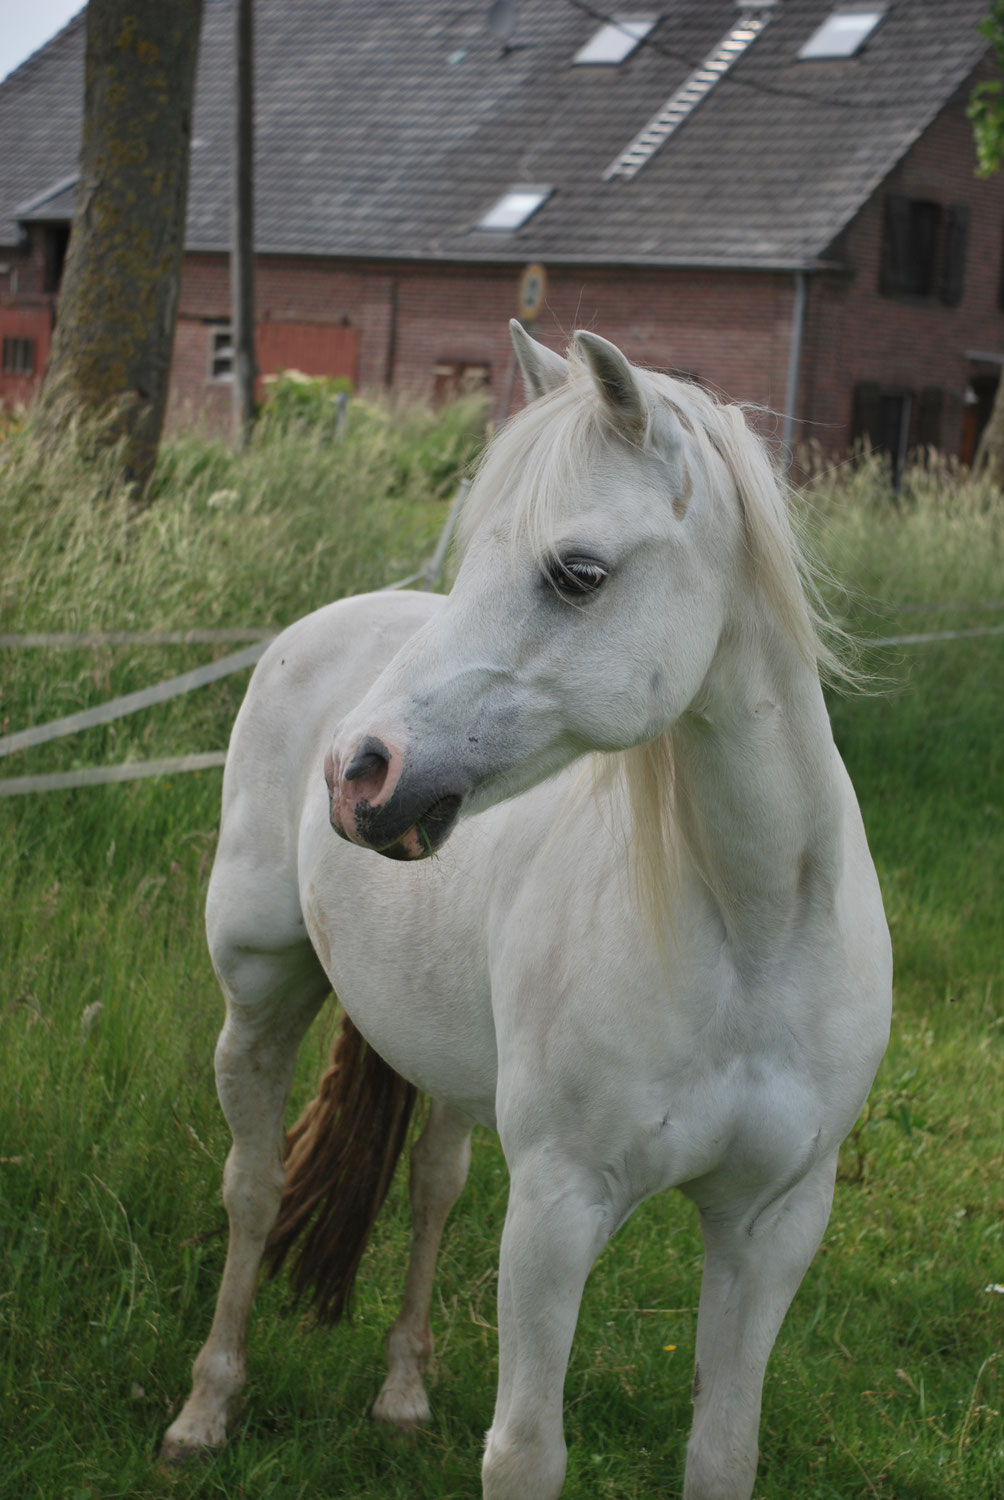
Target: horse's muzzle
372 802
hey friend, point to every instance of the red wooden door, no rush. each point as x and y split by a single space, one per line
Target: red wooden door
311 348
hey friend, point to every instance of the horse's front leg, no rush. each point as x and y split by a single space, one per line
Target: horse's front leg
556 1224
271 1000
753 1264
439 1163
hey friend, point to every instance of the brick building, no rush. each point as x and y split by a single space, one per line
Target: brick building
778 199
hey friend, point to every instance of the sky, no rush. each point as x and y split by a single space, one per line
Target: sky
25 25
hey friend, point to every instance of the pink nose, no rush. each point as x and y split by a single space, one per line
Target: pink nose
364 780
367 771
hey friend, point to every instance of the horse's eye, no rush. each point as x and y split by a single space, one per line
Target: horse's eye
575 576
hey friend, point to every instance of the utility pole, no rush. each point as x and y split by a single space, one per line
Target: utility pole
242 226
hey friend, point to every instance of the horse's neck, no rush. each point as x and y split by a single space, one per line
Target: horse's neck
759 796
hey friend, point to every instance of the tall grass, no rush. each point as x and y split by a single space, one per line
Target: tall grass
251 539
937 540
885 1380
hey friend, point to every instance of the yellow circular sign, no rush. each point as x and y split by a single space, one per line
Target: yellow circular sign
532 291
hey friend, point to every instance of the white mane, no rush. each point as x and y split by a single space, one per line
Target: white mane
536 466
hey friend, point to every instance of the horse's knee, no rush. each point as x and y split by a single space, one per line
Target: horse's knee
515 1467
252 1190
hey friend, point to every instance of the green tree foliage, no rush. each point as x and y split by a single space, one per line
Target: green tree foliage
986 111
986 105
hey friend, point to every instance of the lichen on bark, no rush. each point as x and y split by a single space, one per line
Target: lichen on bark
111 350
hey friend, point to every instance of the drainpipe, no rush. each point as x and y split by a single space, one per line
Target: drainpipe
390 354
794 362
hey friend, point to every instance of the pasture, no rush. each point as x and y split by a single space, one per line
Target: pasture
885 1380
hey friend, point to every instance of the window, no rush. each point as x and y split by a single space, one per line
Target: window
910 246
18 356
894 421
457 377
924 249
514 208
614 42
221 353
56 239
882 419
842 34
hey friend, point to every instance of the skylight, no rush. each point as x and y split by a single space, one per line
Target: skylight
615 41
842 34
512 210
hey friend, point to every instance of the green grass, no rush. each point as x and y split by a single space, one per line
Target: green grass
886 1378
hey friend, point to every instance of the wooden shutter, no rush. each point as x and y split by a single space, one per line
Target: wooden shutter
953 261
866 420
895 243
927 418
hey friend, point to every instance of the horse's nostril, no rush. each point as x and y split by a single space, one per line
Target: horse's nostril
370 759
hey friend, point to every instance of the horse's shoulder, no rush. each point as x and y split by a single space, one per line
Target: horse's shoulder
313 672
348 641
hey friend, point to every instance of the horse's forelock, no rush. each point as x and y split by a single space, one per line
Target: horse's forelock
539 460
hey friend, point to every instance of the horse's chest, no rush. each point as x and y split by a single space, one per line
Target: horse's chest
666 1089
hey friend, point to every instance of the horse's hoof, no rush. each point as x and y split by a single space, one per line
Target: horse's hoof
177 1454
403 1408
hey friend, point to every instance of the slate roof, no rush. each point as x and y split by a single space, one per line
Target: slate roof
385 128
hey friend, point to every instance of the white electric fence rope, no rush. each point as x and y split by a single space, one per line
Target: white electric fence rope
130 703
224 636
172 687
59 781
935 635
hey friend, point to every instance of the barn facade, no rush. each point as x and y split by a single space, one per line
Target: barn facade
777 200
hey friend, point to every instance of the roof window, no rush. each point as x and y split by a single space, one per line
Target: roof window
841 35
614 41
514 208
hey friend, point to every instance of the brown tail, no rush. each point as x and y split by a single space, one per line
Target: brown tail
340 1160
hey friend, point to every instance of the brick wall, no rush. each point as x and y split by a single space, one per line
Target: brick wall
731 331
856 334
26 311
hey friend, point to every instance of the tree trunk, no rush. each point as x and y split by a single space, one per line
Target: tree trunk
989 457
111 352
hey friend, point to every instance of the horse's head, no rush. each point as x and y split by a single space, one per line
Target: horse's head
586 612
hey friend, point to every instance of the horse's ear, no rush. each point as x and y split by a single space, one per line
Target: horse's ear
542 369
617 384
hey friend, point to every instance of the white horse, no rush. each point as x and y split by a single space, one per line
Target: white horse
667 967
